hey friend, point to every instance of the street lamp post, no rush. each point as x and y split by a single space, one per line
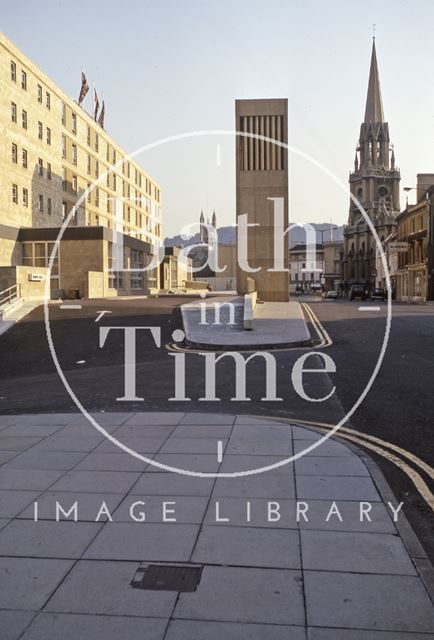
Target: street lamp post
323 231
430 233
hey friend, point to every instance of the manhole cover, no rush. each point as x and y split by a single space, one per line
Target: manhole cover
159 577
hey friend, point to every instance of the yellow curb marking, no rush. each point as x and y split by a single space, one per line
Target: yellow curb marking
365 440
324 337
417 480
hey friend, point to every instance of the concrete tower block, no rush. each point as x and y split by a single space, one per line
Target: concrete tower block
262 173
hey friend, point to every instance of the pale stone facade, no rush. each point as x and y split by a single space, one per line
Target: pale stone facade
415 227
304 277
333 250
225 280
51 152
174 272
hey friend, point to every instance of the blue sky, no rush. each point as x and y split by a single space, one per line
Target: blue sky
170 67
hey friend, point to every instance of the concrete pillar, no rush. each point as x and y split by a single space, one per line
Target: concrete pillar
265 176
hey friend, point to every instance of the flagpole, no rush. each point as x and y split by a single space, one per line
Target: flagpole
82 71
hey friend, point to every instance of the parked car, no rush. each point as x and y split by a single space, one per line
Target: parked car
357 291
331 295
378 294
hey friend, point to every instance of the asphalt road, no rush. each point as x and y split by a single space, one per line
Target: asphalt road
399 407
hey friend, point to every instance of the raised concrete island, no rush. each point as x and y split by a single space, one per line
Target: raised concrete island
274 324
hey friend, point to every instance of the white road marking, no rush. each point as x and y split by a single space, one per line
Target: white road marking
70 306
101 314
219 451
218 150
369 308
81 361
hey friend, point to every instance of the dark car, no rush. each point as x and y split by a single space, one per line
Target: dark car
357 291
378 294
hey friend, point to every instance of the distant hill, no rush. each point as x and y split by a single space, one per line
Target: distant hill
227 235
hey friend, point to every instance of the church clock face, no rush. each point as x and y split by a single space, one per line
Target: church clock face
287 368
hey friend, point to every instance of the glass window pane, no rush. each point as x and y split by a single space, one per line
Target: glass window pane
40 249
27 250
50 248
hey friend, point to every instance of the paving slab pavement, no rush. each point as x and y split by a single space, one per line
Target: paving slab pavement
265 573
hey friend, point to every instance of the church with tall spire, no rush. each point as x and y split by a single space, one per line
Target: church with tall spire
203 234
374 183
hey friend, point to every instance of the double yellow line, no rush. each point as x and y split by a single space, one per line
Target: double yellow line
384 449
324 338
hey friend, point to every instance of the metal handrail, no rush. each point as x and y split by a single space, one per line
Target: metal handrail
7 295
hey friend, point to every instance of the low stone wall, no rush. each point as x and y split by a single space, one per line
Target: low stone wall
221 284
251 286
195 285
95 284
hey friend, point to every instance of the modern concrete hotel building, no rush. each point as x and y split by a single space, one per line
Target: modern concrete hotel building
51 152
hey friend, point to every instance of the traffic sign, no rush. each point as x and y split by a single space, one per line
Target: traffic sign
398 246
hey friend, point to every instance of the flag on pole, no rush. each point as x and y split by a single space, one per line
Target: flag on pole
84 88
102 115
96 101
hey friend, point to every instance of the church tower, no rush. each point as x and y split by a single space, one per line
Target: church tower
202 227
375 184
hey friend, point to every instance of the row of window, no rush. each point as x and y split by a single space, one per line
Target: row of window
25 199
110 154
411 225
126 187
39 254
14 75
41 168
129 214
305 277
41 133
24 85
24 123
110 151
24 160
14 155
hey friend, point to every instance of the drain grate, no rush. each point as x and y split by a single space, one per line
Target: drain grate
163 577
